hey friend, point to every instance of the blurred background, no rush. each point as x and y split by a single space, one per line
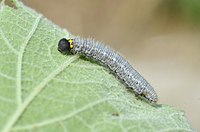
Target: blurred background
160 38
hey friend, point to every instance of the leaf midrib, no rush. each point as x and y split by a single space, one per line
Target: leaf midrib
21 106
35 92
20 59
62 118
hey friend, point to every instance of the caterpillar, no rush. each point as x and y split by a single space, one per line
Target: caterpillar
115 62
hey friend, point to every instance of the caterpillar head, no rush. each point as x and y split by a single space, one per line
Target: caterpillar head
65 45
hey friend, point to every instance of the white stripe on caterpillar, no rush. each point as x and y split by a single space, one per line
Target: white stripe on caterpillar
116 63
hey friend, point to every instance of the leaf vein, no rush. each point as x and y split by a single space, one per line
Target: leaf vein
62 118
6 100
63 127
8 43
7 76
19 111
20 59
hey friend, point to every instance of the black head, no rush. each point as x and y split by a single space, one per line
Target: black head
64 46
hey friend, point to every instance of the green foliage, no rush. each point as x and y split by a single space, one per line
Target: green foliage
187 9
42 90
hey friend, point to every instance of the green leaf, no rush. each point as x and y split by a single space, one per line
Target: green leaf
43 90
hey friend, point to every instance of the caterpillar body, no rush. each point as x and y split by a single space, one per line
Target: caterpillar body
115 62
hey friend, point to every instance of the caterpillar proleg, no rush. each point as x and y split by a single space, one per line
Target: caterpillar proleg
115 62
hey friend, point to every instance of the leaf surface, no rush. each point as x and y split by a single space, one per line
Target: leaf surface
42 90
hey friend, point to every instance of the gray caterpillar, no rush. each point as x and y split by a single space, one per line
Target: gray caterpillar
116 63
